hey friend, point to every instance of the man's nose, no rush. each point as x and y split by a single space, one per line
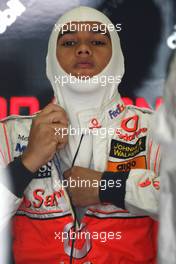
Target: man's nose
83 50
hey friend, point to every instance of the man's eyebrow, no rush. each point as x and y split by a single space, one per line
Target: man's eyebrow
61 34
102 32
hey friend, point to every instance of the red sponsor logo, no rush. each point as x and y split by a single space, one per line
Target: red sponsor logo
145 183
94 123
130 137
156 184
130 124
41 199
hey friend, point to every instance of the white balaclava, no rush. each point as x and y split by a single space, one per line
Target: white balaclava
79 97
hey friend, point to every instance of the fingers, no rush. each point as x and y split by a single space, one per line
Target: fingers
55 117
60 137
72 172
43 139
53 113
51 108
67 174
81 185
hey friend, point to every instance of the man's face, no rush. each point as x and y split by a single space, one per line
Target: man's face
85 51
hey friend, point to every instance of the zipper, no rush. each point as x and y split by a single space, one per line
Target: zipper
73 208
76 222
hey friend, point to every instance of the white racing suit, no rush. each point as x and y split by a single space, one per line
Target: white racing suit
44 212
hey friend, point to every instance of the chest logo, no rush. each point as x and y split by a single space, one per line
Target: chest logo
122 150
116 112
130 124
94 123
20 148
125 166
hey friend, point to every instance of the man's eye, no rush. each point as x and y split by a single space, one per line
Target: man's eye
68 43
98 42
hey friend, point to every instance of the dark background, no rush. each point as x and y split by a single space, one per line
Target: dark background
146 26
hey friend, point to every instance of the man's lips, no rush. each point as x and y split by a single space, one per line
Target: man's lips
84 65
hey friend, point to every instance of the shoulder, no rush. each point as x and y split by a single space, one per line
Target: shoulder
15 124
14 132
17 120
139 110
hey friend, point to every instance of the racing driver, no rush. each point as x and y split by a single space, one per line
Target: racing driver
38 157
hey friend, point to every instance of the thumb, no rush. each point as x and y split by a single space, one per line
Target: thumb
67 173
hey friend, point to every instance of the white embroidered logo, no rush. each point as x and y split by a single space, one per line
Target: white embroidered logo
9 15
171 41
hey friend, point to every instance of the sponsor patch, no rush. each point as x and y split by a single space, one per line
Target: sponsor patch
20 148
122 150
125 166
145 183
22 137
39 199
44 171
94 123
132 136
156 184
117 111
130 124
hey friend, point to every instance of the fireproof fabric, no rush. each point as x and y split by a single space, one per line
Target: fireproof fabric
45 209
84 95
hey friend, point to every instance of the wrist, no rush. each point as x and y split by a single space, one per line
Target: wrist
97 188
19 177
115 190
29 162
